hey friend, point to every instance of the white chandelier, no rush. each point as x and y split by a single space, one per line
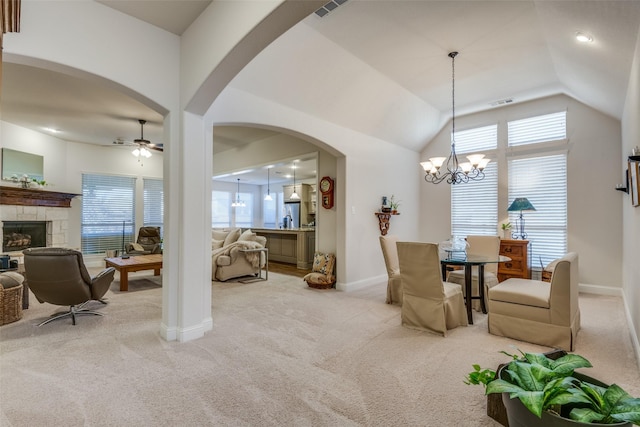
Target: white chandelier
453 171
238 203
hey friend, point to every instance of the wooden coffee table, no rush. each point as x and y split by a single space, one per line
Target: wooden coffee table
135 263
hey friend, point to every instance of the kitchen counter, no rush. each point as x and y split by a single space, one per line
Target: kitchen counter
291 245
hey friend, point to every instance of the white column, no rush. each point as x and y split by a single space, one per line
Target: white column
187 256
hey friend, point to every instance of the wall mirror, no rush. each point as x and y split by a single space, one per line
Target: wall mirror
19 163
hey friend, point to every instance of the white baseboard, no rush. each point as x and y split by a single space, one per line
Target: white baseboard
632 329
360 284
600 290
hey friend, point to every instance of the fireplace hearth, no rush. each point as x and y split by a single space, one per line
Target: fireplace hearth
20 235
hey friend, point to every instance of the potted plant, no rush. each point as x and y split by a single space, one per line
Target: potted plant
394 205
539 391
506 230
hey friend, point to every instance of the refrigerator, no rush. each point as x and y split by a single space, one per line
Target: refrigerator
291 209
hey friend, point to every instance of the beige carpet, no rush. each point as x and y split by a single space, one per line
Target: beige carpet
280 354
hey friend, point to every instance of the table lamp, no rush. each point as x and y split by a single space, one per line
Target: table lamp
520 204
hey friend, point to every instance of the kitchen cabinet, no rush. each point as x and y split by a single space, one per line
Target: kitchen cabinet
295 246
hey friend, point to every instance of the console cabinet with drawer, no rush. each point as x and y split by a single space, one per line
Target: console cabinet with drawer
519 266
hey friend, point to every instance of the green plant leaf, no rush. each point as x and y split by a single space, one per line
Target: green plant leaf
533 400
585 415
568 363
626 408
502 386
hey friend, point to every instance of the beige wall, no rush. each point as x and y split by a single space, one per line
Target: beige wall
593 170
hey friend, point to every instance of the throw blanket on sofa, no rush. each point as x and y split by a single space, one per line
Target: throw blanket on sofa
232 250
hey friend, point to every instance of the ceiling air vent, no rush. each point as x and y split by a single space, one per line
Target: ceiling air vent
501 102
332 5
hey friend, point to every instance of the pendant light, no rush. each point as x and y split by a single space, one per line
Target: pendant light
438 169
238 203
268 196
294 195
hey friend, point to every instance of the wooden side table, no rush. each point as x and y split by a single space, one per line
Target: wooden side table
518 251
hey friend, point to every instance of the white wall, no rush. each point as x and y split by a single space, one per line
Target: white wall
369 169
65 162
593 170
631 215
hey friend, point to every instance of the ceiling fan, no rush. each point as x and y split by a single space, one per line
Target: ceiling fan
142 145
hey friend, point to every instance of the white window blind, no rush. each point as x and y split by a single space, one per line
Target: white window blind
244 214
474 205
108 212
477 139
542 180
532 130
153 197
220 209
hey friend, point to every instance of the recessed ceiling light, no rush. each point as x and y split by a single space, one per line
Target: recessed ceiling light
583 37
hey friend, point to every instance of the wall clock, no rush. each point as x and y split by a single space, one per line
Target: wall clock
326 188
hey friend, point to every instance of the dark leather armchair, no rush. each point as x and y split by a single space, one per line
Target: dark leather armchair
58 276
149 242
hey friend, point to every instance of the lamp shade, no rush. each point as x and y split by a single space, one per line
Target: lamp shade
521 204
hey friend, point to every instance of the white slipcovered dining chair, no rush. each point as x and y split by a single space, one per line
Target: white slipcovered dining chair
394 282
488 246
543 313
428 303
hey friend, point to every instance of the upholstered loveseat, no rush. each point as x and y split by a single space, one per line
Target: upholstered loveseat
228 259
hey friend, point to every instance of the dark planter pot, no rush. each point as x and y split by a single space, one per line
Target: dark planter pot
519 416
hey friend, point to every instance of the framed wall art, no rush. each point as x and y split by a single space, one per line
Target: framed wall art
634 192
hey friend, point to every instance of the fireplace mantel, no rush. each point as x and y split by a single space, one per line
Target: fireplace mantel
32 197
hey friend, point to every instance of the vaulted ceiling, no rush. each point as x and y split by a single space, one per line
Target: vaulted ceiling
377 66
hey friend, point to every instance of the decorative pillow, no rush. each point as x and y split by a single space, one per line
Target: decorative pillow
232 237
247 236
219 234
323 263
216 244
11 279
137 247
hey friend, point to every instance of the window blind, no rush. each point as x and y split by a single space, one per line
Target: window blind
244 214
108 208
474 205
477 139
533 130
542 180
220 209
153 198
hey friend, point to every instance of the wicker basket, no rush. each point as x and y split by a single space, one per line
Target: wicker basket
10 304
546 275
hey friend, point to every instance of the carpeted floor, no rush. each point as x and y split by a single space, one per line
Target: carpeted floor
280 354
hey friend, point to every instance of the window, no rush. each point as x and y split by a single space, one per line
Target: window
474 205
108 212
244 214
542 180
533 130
153 198
220 209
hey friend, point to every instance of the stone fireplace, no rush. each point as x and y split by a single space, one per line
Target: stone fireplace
20 235
31 209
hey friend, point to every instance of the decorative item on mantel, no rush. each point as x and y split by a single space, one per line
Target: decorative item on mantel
27 182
